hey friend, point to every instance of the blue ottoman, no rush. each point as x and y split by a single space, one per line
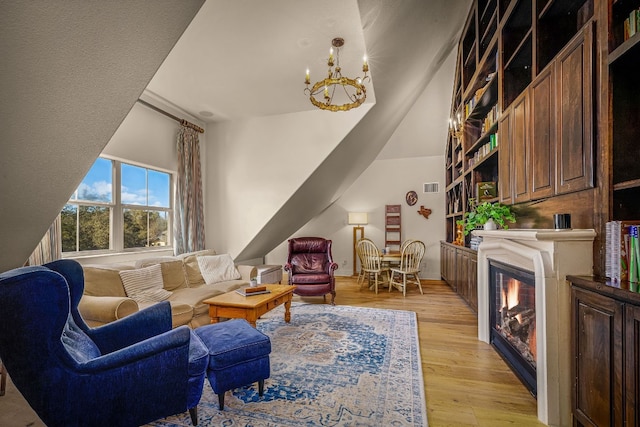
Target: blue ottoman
238 355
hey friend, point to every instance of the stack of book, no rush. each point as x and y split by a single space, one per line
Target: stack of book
623 251
475 242
632 24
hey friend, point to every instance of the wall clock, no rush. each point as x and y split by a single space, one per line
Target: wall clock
412 198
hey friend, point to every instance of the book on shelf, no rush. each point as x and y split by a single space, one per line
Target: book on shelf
622 250
486 190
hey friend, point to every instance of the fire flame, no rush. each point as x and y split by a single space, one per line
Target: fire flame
510 294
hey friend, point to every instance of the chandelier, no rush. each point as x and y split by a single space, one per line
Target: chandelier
351 92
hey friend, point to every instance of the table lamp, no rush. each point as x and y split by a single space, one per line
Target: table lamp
359 219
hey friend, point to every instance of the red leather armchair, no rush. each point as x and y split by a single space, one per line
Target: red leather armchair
310 267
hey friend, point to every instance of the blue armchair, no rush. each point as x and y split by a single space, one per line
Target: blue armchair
126 373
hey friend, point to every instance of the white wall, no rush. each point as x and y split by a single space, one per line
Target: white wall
149 138
255 165
414 155
384 182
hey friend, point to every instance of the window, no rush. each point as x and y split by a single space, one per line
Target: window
118 206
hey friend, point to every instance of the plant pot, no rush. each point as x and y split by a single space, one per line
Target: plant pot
490 225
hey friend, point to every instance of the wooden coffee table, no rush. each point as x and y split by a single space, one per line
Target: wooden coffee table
236 306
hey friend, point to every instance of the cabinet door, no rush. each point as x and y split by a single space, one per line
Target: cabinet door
444 262
574 70
462 274
473 281
543 138
504 161
448 264
520 148
632 366
596 359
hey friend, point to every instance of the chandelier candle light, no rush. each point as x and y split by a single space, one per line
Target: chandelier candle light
354 91
455 127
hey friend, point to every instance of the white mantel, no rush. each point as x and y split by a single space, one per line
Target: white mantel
550 255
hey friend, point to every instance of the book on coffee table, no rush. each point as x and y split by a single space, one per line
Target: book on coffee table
253 291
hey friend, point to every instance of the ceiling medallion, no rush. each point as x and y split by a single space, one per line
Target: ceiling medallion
351 92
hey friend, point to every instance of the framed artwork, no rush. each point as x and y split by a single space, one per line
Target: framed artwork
411 198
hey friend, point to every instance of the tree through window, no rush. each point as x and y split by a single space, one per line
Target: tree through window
118 206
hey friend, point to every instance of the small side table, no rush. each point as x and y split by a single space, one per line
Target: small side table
269 274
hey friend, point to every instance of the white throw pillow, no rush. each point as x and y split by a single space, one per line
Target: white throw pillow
218 268
144 284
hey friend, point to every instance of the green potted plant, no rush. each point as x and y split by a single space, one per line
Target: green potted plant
486 212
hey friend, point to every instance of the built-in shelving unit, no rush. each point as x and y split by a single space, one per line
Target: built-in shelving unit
624 60
516 70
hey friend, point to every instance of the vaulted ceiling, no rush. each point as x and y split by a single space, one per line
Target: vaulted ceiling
72 70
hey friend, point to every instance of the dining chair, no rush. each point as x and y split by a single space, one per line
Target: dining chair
407 273
361 273
371 263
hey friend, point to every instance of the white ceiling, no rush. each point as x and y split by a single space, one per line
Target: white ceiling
247 58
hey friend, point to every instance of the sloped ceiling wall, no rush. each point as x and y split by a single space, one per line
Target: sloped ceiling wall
405 53
71 71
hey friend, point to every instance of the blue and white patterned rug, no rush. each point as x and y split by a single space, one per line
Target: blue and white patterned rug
331 366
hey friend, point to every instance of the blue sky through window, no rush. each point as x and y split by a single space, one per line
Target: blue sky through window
140 186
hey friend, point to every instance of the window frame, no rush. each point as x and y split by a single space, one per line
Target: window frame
117 209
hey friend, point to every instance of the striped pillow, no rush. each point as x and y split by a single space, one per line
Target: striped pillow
144 284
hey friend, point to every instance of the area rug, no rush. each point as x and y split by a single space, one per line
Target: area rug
330 366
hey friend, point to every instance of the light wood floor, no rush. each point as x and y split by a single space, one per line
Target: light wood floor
466 382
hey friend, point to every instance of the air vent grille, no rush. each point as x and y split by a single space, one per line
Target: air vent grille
430 187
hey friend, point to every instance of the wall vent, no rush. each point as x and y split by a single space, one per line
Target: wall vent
430 187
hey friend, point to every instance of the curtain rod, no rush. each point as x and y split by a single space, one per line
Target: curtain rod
177 119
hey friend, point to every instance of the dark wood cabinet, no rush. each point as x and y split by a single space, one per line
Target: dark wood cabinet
574 71
543 135
605 352
597 345
520 148
448 263
632 365
504 182
459 268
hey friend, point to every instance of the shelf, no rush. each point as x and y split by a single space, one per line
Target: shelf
557 8
517 53
483 139
486 101
491 156
625 47
633 183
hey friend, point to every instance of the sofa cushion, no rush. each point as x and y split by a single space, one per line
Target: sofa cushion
195 296
217 268
103 280
173 275
191 267
145 284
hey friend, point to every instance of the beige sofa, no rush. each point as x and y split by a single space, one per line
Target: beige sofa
105 299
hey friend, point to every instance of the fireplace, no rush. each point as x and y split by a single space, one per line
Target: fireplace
512 316
539 261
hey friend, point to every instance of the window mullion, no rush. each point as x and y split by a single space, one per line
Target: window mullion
117 238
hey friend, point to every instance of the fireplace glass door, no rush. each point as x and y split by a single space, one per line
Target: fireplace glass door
512 313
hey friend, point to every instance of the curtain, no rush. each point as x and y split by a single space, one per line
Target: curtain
189 214
50 247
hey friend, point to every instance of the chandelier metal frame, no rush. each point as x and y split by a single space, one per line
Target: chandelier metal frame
335 80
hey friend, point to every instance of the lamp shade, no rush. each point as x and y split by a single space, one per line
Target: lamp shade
358 218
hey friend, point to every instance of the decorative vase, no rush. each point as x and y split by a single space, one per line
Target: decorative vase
490 225
253 283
